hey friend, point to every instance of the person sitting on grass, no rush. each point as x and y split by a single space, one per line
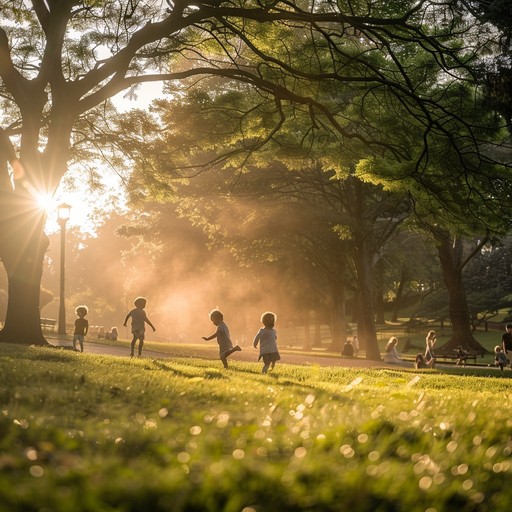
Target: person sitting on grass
391 353
348 349
420 362
112 334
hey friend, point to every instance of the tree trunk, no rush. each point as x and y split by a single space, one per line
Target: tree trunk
356 305
307 338
22 247
398 298
338 318
366 330
379 291
317 333
462 334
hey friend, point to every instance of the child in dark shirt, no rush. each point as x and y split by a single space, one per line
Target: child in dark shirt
81 327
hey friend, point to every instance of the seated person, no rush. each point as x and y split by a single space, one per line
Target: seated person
420 362
112 334
461 354
348 349
500 359
391 353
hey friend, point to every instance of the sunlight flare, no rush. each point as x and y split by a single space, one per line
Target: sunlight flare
46 201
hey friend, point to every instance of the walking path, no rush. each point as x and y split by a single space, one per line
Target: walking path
210 351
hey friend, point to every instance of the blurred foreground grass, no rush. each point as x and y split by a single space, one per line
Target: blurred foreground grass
80 432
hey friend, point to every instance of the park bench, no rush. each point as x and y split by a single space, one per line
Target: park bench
48 324
449 358
454 357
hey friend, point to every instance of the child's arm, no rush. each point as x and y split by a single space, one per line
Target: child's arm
86 330
256 340
149 323
126 319
208 338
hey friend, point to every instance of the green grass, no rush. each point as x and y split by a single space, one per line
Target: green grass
80 432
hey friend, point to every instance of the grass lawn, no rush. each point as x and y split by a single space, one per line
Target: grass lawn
80 432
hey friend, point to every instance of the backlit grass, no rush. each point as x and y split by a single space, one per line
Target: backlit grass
80 432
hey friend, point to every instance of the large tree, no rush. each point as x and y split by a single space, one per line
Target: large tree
452 204
62 60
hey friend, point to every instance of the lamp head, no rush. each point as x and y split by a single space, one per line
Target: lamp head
63 213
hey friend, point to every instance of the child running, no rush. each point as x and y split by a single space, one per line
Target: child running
81 327
267 338
139 319
226 347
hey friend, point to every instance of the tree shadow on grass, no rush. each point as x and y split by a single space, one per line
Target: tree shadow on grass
208 373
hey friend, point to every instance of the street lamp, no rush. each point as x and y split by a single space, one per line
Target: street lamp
63 211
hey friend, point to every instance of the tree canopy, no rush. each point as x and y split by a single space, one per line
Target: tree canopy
331 64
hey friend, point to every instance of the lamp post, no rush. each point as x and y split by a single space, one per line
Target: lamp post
63 211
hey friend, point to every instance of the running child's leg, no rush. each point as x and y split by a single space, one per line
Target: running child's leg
141 343
224 361
236 348
133 345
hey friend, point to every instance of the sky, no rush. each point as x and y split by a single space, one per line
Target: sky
88 207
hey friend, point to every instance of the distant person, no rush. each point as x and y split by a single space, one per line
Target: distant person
355 346
430 342
506 343
420 362
267 338
348 349
139 319
461 355
226 347
500 359
81 327
112 334
391 354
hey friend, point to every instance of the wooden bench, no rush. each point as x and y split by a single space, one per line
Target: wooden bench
48 324
454 357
